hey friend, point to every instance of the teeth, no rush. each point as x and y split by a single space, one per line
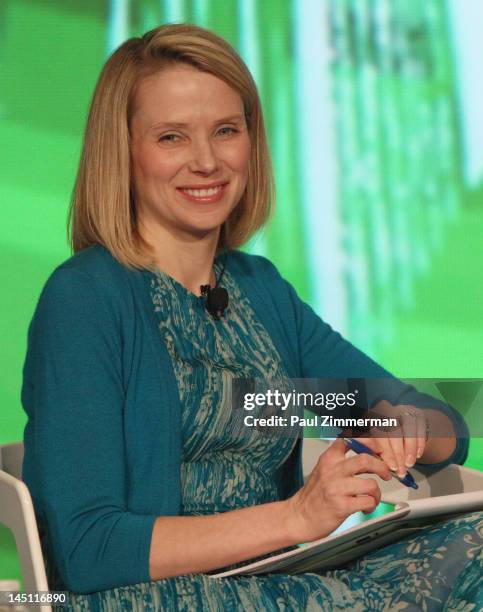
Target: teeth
203 193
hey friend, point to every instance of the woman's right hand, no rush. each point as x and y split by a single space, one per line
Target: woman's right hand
332 492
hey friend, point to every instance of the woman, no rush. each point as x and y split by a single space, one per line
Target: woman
141 479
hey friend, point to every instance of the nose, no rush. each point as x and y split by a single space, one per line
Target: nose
204 159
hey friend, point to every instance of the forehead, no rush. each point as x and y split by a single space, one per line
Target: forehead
183 94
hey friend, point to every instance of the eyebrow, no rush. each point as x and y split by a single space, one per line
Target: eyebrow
175 124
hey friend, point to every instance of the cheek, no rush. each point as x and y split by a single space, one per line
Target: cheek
152 167
140 167
240 158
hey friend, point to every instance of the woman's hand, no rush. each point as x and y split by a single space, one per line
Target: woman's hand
332 492
427 435
401 447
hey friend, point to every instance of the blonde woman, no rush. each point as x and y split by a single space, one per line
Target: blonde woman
142 480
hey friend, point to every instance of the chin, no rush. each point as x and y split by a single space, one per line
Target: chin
206 226
202 230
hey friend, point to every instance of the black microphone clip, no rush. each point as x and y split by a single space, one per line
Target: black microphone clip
216 300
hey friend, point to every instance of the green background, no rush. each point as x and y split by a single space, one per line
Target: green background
408 225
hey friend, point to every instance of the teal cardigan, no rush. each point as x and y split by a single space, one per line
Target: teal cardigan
102 441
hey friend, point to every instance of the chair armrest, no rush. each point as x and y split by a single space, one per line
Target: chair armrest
17 513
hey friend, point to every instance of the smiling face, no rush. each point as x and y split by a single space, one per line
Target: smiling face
190 151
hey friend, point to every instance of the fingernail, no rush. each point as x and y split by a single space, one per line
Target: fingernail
393 468
419 453
409 460
401 473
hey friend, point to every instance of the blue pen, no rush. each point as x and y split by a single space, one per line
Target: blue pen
359 448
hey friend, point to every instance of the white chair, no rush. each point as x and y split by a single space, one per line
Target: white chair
17 511
17 514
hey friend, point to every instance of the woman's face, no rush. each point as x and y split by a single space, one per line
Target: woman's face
190 151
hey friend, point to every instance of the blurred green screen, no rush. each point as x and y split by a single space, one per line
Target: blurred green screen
373 122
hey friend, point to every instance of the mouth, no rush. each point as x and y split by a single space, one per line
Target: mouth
206 193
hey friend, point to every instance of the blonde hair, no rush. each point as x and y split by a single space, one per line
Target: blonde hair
102 209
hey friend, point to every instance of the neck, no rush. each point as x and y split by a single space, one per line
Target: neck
187 259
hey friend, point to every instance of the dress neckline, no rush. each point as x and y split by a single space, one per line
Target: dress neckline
179 286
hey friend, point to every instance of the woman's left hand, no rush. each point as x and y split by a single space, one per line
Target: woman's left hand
399 448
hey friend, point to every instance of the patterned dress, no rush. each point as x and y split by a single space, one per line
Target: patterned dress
226 466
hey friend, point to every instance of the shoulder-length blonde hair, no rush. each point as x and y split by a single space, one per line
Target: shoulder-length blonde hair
102 209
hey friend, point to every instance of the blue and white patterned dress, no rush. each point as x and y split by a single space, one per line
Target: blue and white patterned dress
225 467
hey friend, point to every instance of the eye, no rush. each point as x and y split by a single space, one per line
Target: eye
226 131
169 138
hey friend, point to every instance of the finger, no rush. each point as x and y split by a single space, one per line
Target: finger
365 464
421 434
335 453
409 420
360 503
338 448
372 443
353 485
362 486
387 454
397 447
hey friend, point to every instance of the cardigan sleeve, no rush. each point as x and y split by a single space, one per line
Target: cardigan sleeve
74 461
324 353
